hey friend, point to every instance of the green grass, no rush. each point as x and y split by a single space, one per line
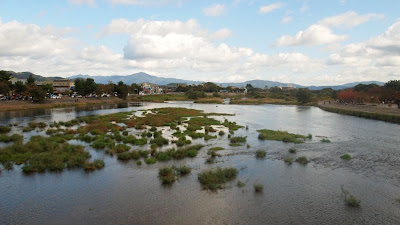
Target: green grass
260 154
240 184
288 160
151 160
302 160
16 138
168 175
346 157
258 188
214 179
325 140
96 164
235 144
124 156
183 170
139 163
235 140
4 129
349 199
292 150
221 133
159 141
283 136
216 149
44 153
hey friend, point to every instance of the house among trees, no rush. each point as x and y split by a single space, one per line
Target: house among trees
61 86
173 86
150 89
15 80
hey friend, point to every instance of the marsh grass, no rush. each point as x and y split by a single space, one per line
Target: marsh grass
349 199
283 136
238 139
260 154
150 160
4 129
240 184
16 138
168 175
346 157
235 144
302 160
325 140
292 150
215 179
288 160
258 188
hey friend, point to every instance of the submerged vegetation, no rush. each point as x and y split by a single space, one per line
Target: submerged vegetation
346 156
282 136
168 175
349 199
260 154
258 188
214 179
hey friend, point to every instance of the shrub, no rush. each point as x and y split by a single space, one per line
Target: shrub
167 175
235 140
4 129
151 160
125 133
135 155
349 199
216 178
260 154
325 140
124 156
302 160
258 188
288 160
240 184
221 133
183 170
346 157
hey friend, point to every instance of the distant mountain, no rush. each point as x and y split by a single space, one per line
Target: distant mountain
135 78
25 75
144 77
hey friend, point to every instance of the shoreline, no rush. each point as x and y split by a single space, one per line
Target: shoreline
368 112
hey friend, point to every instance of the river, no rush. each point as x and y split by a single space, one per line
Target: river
124 193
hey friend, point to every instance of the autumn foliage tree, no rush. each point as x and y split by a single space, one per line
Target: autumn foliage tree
348 95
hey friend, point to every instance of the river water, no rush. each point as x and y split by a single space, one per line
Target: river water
124 193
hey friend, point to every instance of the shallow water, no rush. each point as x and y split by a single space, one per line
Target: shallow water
124 193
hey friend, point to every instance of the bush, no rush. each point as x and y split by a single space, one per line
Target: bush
235 140
346 157
151 160
124 156
302 160
4 129
221 133
216 178
258 188
260 154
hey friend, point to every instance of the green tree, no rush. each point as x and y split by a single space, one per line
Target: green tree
19 87
48 88
30 80
37 93
393 85
303 95
121 89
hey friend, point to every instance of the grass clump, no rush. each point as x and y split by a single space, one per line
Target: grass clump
235 140
349 199
240 184
346 157
302 160
258 188
325 140
4 129
124 156
214 179
288 160
151 160
139 163
221 133
235 144
283 136
96 164
168 175
292 150
217 149
159 141
260 154
16 138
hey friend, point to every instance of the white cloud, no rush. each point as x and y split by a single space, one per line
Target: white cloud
214 10
314 35
221 34
321 33
286 19
147 2
81 2
349 19
269 8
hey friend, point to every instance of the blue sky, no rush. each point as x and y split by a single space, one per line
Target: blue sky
301 41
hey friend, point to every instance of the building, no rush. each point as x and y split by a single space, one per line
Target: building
61 86
288 87
173 86
15 80
150 89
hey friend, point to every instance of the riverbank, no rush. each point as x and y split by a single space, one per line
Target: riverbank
15 105
369 111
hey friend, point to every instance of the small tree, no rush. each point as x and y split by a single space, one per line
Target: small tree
303 95
30 80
